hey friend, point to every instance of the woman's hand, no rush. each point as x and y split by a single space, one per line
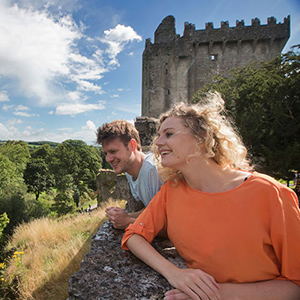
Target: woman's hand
192 284
189 283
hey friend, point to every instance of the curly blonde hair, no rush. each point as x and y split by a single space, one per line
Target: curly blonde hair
212 129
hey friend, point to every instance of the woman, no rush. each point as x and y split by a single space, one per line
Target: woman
238 231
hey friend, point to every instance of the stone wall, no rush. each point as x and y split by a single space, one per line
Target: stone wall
109 273
146 127
175 67
115 186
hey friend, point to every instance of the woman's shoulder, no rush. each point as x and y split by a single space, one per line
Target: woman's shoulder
269 182
267 179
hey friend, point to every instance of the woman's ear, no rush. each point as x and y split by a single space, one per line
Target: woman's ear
133 144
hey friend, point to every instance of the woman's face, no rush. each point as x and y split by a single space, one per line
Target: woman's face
175 143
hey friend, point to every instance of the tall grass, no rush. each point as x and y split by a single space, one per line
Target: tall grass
46 253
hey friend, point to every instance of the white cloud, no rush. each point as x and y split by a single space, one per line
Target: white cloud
14 122
87 133
41 49
3 131
84 85
89 126
7 107
24 114
117 38
3 96
21 107
75 95
19 110
69 129
45 50
73 109
55 5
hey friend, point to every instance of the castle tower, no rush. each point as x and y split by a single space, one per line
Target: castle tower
175 67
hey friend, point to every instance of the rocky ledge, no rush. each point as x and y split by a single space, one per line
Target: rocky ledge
107 272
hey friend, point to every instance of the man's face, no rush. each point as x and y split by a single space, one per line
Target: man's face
118 155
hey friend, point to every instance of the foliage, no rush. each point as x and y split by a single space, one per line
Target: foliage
264 101
39 208
105 164
64 203
49 251
77 159
17 152
15 208
12 192
43 152
37 177
10 181
74 164
4 220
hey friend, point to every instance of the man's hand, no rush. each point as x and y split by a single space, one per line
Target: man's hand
118 217
192 284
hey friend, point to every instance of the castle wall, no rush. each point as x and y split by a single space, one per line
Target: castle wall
175 67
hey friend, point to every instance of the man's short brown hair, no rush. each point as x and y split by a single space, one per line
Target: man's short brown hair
121 129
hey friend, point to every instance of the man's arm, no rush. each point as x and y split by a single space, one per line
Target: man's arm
136 213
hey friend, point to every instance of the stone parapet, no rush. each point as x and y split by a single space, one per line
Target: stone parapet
107 272
115 186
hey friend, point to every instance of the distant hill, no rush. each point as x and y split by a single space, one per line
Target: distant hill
36 144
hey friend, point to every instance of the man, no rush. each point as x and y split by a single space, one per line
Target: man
122 148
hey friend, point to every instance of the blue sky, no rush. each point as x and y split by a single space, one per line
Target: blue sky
68 66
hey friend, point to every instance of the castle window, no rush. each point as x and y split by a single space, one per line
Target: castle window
213 57
169 92
166 71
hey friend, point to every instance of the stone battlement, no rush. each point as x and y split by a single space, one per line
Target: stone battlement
241 32
272 30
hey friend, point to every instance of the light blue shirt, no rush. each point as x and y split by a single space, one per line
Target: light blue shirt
148 183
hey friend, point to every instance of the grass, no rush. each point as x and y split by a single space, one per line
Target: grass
46 254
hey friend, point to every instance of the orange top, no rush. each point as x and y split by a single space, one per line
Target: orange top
248 234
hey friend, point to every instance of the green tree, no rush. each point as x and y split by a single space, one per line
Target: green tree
64 203
4 220
17 152
43 152
12 193
264 101
37 177
77 159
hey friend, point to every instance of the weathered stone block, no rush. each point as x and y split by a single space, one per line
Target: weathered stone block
146 127
115 186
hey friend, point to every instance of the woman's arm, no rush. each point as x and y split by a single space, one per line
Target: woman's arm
266 290
192 282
